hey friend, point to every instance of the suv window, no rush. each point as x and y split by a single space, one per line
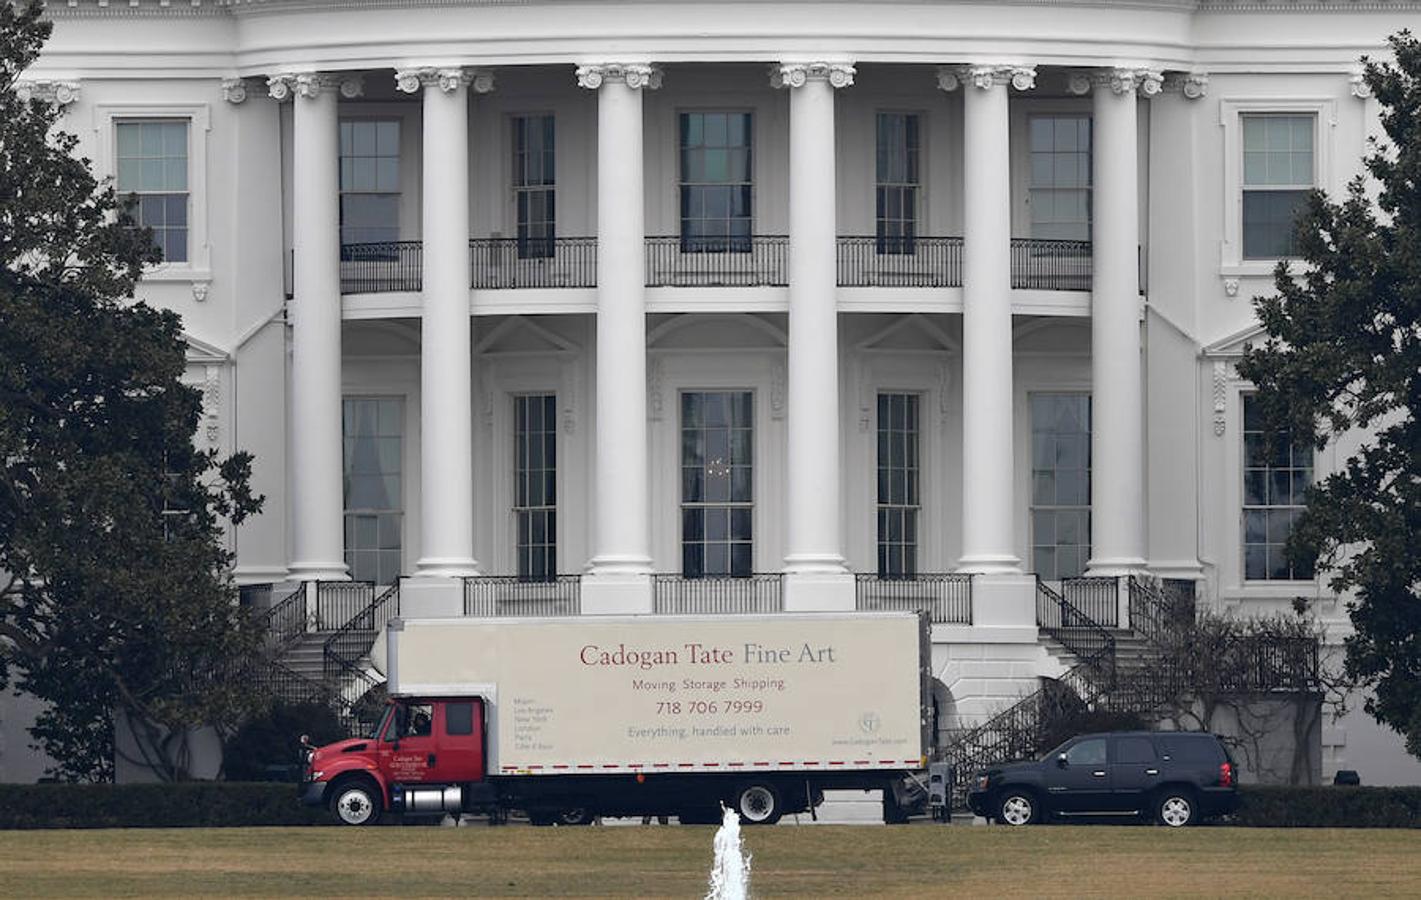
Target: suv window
1134 750
1201 749
1087 753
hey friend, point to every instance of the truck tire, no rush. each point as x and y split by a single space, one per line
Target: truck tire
574 815
759 803
355 801
1018 807
1175 807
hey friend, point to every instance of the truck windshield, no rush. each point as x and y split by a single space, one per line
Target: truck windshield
379 728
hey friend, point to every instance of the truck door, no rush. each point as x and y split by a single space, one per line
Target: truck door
408 751
460 727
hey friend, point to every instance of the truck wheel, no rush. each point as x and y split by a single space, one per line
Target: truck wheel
575 815
1017 808
759 804
356 803
1174 807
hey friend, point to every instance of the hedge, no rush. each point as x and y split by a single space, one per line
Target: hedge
1328 807
189 804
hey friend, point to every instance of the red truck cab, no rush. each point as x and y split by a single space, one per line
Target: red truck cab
424 756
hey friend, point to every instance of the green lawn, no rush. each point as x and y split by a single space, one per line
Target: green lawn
921 860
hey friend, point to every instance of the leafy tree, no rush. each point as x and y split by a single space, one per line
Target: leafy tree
1343 353
115 598
267 747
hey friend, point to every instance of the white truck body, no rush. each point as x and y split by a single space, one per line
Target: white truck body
608 695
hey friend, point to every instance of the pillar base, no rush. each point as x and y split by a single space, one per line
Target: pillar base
990 564
431 597
1004 601
616 593
447 567
819 591
318 571
1117 567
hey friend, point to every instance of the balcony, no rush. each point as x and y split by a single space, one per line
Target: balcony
488 596
760 260
945 597
679 595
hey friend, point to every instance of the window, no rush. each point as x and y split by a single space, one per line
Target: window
896 199
534 176
369 181
535 471
1134 750
1060 484
1059 191
898 485
717 487
1275 482
153 164
1278 172
1087 753
1203 749
716 182
458 718
374 505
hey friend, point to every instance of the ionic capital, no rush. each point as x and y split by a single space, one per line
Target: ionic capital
633 75
950 78
1193 85
310 85
57 93
234 90
794 75
1360 89
447 78
1120 81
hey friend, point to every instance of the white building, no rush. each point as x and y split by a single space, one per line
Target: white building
802 291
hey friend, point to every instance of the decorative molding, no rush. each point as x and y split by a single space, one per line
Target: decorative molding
57 93
655 384
950 78
1221 384
1193 85
447 78
285 85
779 375
352 86
212 404
634 75
199 290
795 75
1079 83
1360 89
1231 287
1124 80
234 90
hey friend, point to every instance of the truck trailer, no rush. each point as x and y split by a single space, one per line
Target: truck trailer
568 719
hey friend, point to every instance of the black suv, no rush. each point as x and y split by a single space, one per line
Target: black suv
1172 777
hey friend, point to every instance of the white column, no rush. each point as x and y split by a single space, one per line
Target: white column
1117 383
813 533
446 392
316 458
622 532
988 498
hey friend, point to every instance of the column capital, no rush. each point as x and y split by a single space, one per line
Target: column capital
1119 80
58 93
1358 81
798 74
950 78
447 78
234 90
1193 85
285 85
634 75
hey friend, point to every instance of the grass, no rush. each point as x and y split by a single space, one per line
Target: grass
918 861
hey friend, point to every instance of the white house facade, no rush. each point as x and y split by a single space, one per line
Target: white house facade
594 307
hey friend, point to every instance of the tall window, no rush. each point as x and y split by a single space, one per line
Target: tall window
898 182
533 185
153 163
374 495
717 484
1275 482
1277 175
716 182
535 471
898 485
1060 177
369 181
1060 484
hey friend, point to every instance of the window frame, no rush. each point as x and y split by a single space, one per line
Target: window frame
397 193
1245 188
515 190
550 542
1031 505
1031 116
404 510
906 244
731 244
682 504
106 117
910 568
1244 507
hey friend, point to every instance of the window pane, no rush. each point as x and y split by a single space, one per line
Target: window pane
717 441
1274 492
370 181
1060 513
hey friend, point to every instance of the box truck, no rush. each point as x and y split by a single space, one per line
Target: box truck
568 719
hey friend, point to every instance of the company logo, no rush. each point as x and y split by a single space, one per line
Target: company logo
869 722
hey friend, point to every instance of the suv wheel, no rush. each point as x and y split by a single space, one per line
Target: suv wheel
1018 808
1175 809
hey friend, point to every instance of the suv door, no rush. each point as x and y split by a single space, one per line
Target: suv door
1083 783
1134 771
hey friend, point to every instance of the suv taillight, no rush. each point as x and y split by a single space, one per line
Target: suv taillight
1226 775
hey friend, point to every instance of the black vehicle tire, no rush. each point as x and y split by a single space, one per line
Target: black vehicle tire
759 803
1017 807
1176 807
355 801
574 815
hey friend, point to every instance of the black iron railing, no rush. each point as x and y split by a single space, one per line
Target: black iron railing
352 641
1050 265
945 596
677 594
380 266
760 260
1156 611
1098 599
1083 635
337 602
512 595
927 262
511 263
285 621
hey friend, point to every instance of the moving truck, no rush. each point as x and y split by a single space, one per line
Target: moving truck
567 719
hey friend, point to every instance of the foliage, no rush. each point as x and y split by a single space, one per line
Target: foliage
1343 353
270 743
191 804
118 598
1328 807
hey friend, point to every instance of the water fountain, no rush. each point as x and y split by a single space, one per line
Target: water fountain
730 873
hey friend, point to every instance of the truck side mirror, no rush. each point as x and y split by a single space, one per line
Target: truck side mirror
1061 762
